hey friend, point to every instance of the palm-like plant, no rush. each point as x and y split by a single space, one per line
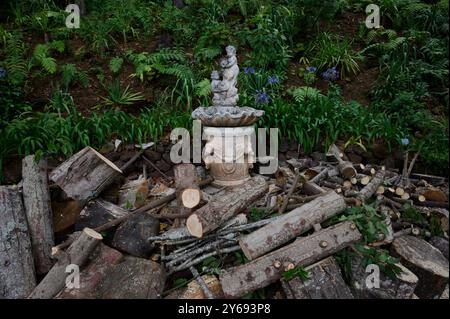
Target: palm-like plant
117 96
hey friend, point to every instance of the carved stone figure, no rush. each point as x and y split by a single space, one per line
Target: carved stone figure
225 91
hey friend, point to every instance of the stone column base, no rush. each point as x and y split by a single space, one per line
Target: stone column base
229 154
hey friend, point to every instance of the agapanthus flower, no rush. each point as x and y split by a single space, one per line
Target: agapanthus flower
405 141
2 72
262 97
331 74
249 70
311 69
273 79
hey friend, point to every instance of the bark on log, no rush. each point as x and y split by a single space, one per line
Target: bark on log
371 188
426 261
188 191
291 225
102 260
400 287
36 199
261 272
324 282
133 278
17 275
65 214
441 244
131 237
85 174
310 188
223 207
76 254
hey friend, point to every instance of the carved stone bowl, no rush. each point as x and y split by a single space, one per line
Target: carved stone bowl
227 116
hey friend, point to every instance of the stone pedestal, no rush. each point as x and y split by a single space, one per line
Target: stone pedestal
229 153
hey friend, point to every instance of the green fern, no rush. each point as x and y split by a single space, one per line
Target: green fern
16 64
41 55
115 64
303 93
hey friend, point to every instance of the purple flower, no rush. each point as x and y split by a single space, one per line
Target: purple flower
262 97
311 69
331 74
2 72
405 141
249 70
273 79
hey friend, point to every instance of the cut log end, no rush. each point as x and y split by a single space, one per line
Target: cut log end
91 233
194 226
191 197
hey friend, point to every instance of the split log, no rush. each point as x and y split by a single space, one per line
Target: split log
17 275
36 199
291 225
188 191
261 272
102 260
97 213
223 207
433 194
401 286
194 291
426 261
324 282
84 175
133 278
76 254
131 237
133 193
370 189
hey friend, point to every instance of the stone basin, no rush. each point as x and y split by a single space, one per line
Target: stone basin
227 116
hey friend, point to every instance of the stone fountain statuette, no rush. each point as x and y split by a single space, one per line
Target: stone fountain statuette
228 128
224 112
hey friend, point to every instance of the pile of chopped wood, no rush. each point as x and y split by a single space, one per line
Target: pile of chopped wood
133 236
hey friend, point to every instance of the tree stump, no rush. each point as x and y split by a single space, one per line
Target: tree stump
426 261
17 275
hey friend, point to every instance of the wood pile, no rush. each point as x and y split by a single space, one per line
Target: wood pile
93 227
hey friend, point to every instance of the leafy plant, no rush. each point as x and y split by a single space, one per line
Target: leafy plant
115 64
298 271
42 55
71 75
331 51
117 96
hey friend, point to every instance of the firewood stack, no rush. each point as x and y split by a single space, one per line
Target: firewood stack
130 235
